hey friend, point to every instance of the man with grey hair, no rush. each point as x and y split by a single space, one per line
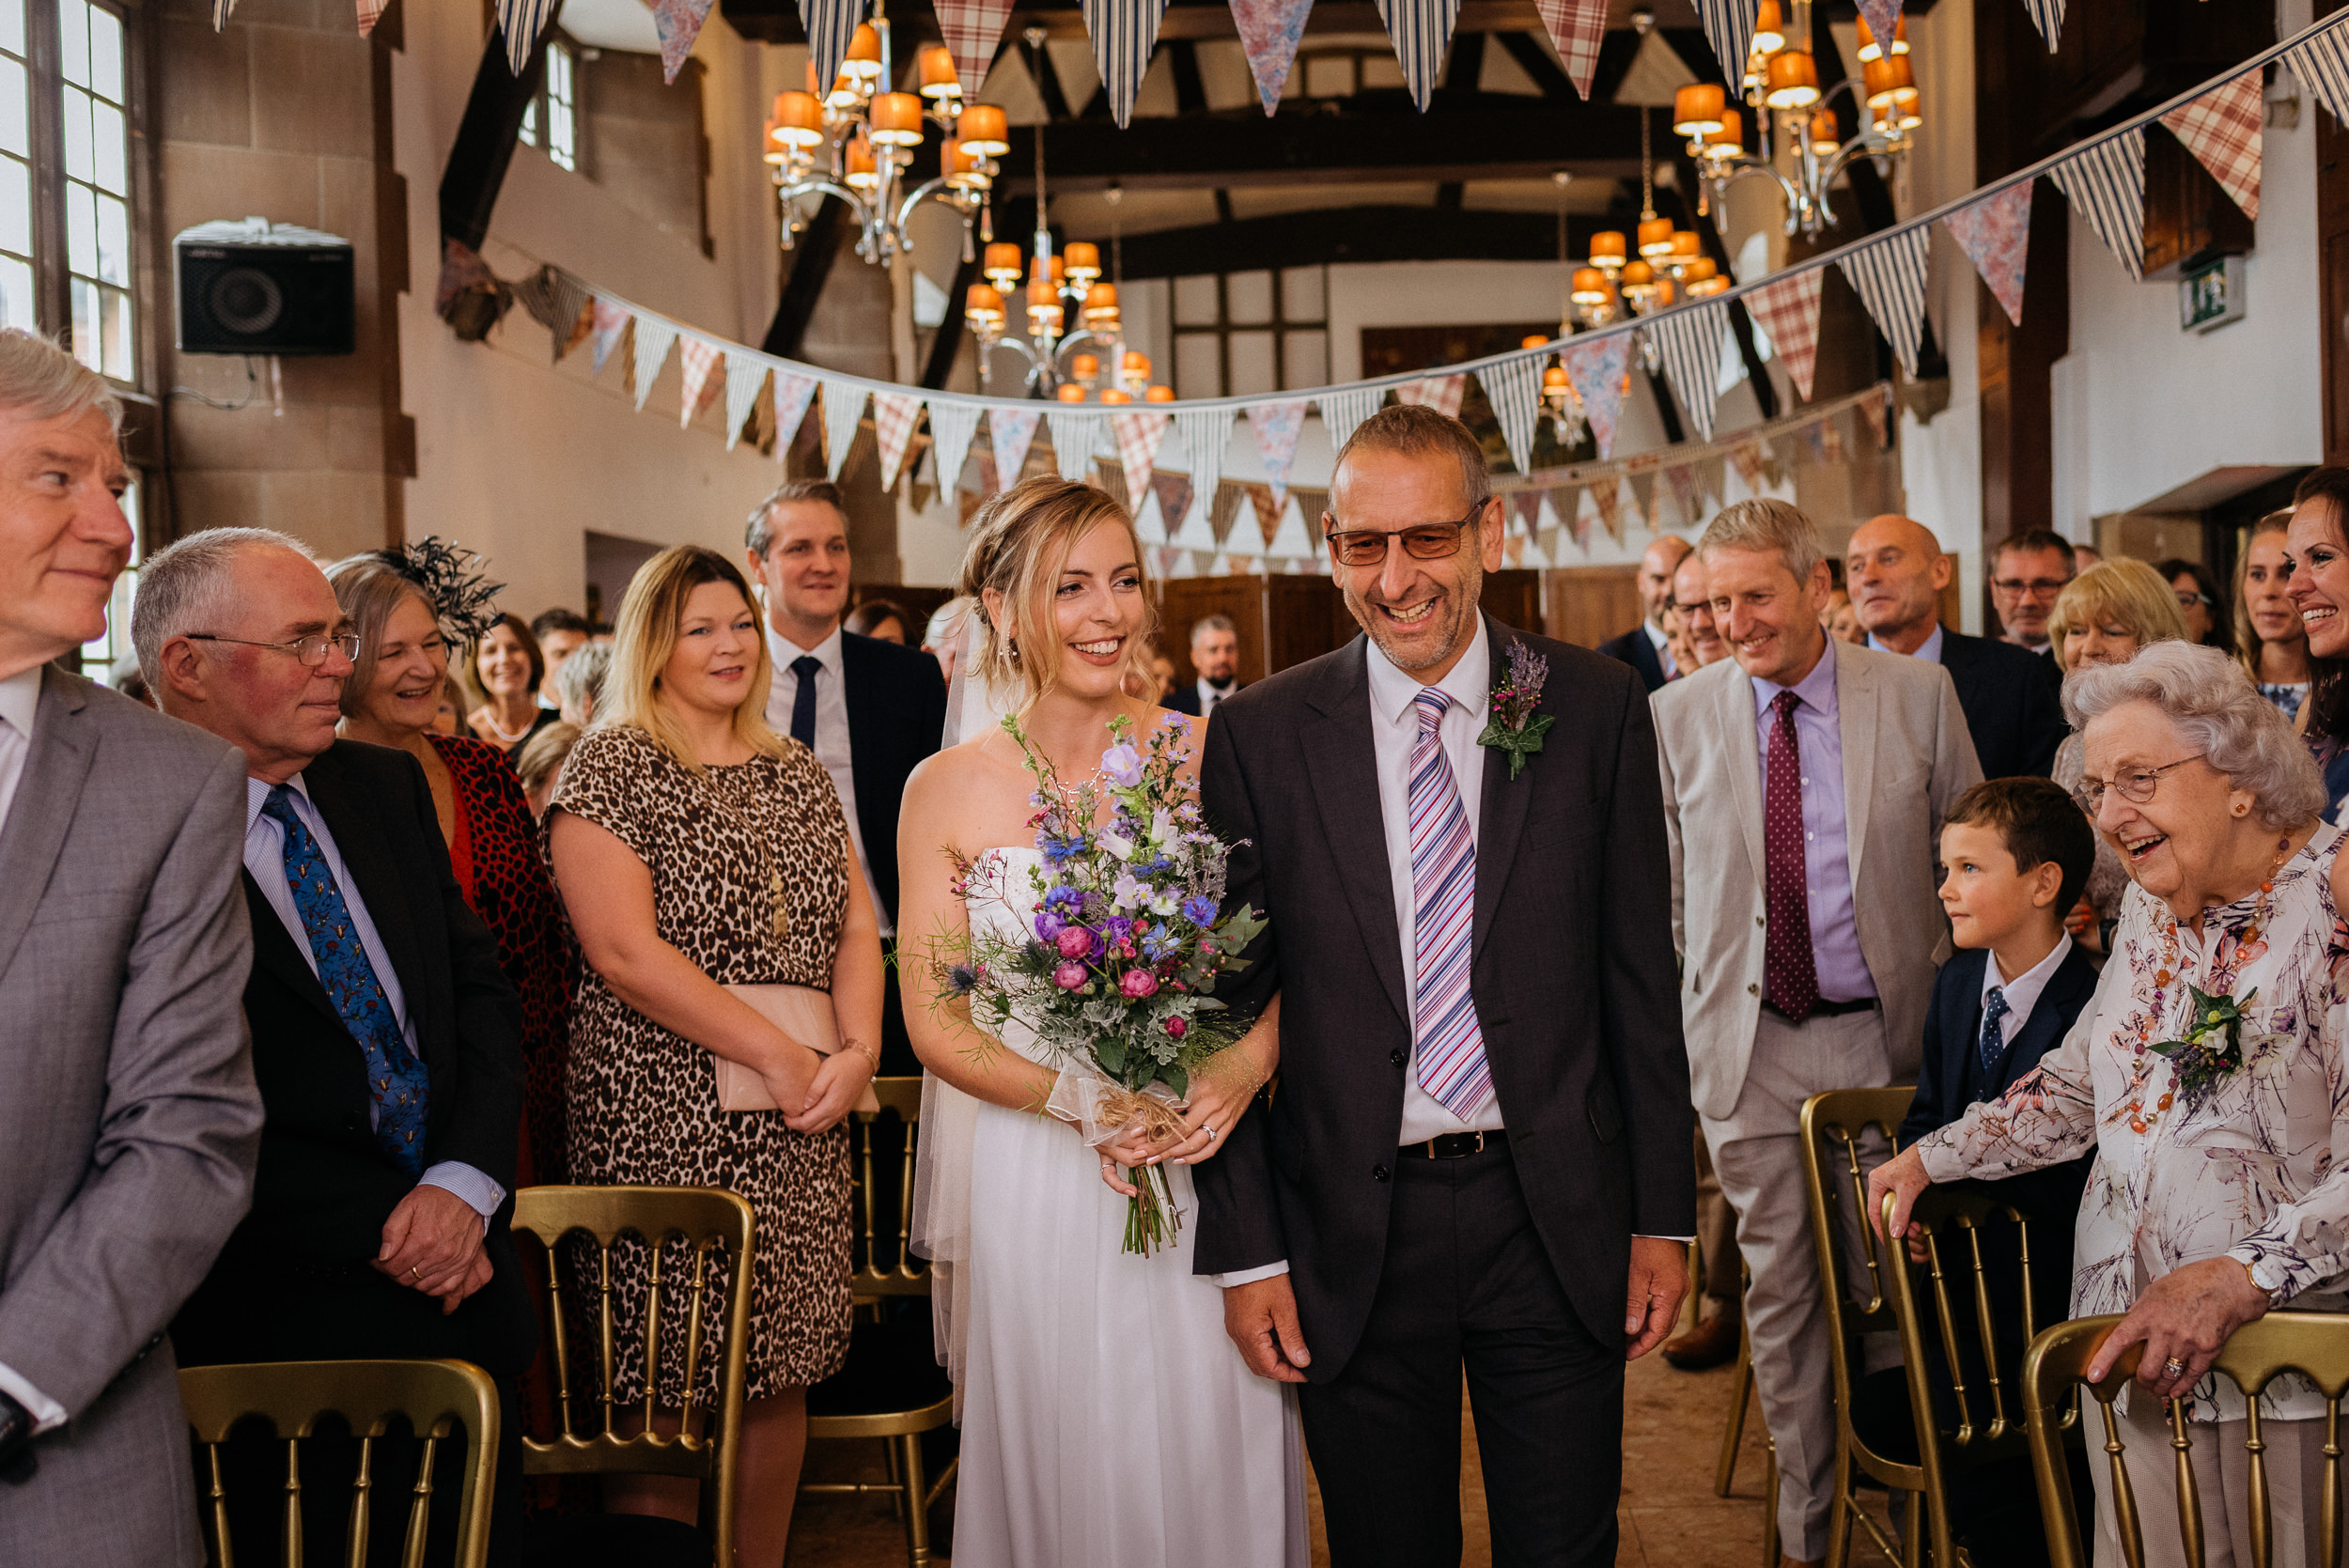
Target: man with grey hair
579 683
1215 663
1805 781
131 1118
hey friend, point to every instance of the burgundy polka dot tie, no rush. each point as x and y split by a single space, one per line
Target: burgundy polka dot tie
1789 974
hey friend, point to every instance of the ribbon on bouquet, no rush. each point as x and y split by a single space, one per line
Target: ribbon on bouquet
1102 1111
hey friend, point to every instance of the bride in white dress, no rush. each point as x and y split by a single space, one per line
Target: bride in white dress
1107 1422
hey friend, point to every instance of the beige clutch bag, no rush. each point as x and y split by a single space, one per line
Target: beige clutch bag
801 1012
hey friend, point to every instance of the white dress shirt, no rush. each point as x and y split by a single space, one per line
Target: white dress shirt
265 858
2022 993
1662 645
832 735
1929 650
1209 696
20 699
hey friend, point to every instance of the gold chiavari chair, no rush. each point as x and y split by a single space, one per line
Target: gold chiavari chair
2315 1344
436 1398
1834 1125
893 1387
717 1231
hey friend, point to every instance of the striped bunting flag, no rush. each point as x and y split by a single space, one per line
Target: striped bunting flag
700 385
610 319
1136 436
1577 27
830 24
1076 431
2321 65
678 23
1124 33
794 390
521 21
1514 388
746 377
2047 16
1343 411
1009 433
1788 310
1996 233
894 415
1269 33
1690 340
952 426
569 296
2106 184
1596 369
1276 427
221 10
2222 129
1729 29
1441 393
653 338
973 28
1204 433
1890 278
844 409
1422 32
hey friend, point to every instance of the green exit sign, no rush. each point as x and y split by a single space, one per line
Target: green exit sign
2211 295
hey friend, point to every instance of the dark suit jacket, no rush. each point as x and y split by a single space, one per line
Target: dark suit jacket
897 714
294 1282
1633 648
1186 698
2013 701
1573 975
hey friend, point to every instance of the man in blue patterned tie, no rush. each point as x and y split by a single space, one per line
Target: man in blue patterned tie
385 1038
1477 1162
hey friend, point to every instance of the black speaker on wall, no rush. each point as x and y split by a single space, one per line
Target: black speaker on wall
255 288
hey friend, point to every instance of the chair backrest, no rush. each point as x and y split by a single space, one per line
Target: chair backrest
2315 1344
885 1263
1833 1126
716 1227
435 1397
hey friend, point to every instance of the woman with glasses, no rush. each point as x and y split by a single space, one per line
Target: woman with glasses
2208 621
2270 640
2219 1190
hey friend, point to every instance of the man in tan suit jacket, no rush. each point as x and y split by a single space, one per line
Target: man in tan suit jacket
1805 781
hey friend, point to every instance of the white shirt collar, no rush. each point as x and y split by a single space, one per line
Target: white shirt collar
1392 690
257 796
2022 992
784 652
20 699
1929 650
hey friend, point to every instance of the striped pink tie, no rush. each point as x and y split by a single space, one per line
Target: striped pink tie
1450 1047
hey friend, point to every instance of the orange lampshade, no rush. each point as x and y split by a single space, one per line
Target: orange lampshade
1112 394
1084 260
983 303
1590 286
1060 269
1769 28
1907 106
1101 296
1686 247
1697 109
1532 340
1656 236
1794 82
1041 293
864 60
897 120
1639 275
1607 245
1554 375
1135 363
860 173
799 119
1871 48
1882 78
983 127
1699 269
1085 367
937 73
1823 141
1159 395
845 92
1002 264
1070 392
1664 292
1730 139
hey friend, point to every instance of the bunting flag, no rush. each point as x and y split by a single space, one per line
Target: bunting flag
1268 32
1528 511
844 409
1276 427
1136 436
1421 31
1341 412
894 417
1076 431
1197 532
700 385
1292 541
2222 129
1204 432
678 23
1877 412
2047 16
1173 494
1882 18
746 377
1890 278
1788 309
794 390
1642 512
952 426
1010 432
1595 368
556 300
1441 393
1607 497
1682 483
1577 27
2321 65
1124 32
610 320
653 338
2106 184
370 12
1514 388
1745 458
1688 339
1995 233
521 21
972 29
830 24
1729 29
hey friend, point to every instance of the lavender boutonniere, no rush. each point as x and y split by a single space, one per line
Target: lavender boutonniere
1515 727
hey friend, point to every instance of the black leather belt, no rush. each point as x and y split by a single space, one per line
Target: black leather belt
1455 1145
1826 1009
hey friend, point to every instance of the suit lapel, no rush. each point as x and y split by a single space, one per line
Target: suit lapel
1501 818
64 744
1742 756
273 951
2043 1029
1855 710
368 856
1344 762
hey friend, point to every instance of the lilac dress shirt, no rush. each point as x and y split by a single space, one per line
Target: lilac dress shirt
1826 829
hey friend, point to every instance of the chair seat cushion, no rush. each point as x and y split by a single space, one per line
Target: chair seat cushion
616 1539
892 1366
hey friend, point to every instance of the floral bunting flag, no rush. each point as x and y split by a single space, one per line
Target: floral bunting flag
1688 339
894 417
1814 437
1269 33
1514 388
1010 432
1173 494
1577 27
794 390
1076 431
1421 31
1682 483
2105 183
1206 432
1277 426
1882 18
746 377
830 24
844 411
1995 233
2222 129
699 385
1441 393
1745 457
972 29
520 20
1341 412
1595 368
1890 278
653 339
1787 308
953 422
678 23
1124 32
1137 437
609 320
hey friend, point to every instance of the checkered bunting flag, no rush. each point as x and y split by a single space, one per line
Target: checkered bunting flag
1204 433
1787 308
1076 431
521 21
1343 411
794 390
1010 432
973 28
1729 29
678 23
952 426
1890 278
371 12
699 385
894 415
844 411
1577 27
1124 33
653 338
2321 65
746 377
1514 388
2047 16
2106 185
1422 32
2222 129
830 24
1441 393
1136 436
1690 341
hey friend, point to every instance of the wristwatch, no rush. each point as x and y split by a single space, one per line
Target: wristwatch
16 1441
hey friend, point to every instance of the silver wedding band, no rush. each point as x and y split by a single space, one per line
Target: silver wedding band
2173 1368
1210 1126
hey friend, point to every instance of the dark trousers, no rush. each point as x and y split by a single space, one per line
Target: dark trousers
1467 1283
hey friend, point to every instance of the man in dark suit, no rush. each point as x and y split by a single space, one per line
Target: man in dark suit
1215 665
869 710
1479 1151
386 1039
1642 646
2013 700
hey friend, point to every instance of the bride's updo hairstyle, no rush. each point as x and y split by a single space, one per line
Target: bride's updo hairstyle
1019 544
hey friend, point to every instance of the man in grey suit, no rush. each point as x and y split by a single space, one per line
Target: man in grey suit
130 1121
1805 781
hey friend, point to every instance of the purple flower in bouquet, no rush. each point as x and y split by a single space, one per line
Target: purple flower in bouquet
1138 983
1065 901
962 979
1049 926
1199 911
1116 932
1069 977
1120 764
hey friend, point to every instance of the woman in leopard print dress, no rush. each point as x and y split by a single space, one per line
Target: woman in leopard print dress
695 848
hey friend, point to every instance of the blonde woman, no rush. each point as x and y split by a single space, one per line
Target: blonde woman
1107 1422
2103 616
695 848
2269 636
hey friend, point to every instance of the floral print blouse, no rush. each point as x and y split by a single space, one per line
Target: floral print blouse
2246 1170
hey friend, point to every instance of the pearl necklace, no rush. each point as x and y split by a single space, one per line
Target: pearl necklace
511 738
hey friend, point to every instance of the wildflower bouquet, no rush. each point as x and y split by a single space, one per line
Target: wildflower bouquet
1127 942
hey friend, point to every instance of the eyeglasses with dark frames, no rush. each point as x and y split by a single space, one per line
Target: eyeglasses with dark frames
2037 587
2135 785
310 650
1426 541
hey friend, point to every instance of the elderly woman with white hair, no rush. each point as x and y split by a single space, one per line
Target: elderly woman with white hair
2207 1076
